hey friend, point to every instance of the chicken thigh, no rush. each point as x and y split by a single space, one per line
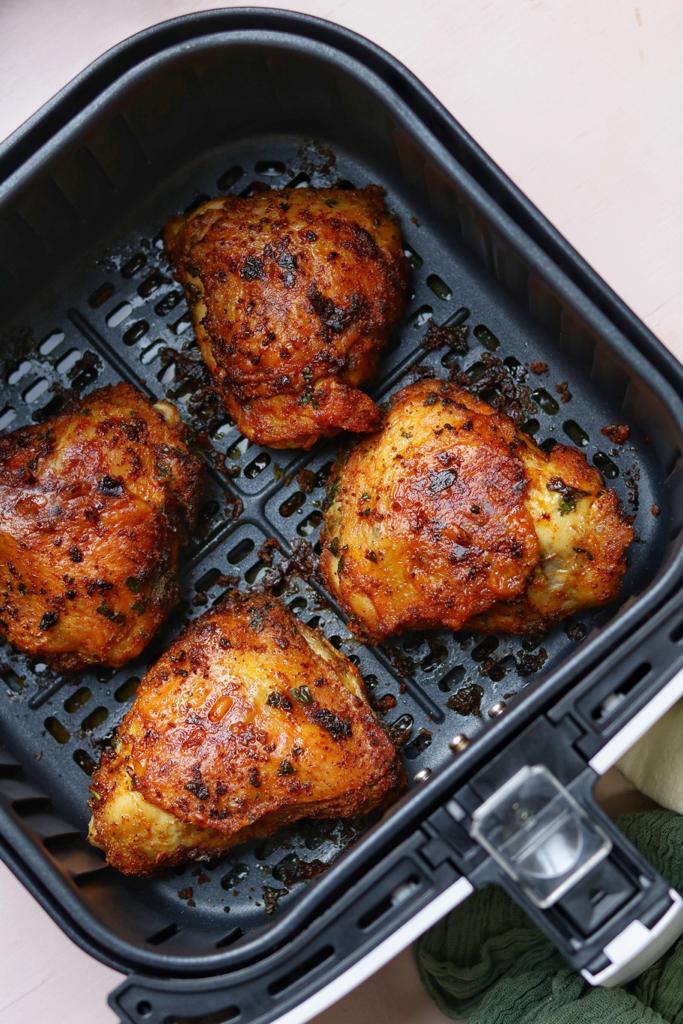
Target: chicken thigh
293 293
249 721
449 516
94 506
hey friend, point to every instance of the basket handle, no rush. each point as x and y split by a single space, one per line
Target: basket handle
386 909
610 915
574 873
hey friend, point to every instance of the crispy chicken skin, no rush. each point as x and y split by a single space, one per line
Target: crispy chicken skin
292 293
451 517
251 720
94 506
582 537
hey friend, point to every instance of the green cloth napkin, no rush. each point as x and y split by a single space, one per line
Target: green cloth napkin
485 961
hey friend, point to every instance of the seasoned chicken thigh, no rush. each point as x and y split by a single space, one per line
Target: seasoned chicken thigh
582 537
94 506
292 293
449 516
251 720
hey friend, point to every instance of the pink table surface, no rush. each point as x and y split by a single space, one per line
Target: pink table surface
581 103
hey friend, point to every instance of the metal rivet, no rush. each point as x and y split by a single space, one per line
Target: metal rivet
422 775
497 709
459 742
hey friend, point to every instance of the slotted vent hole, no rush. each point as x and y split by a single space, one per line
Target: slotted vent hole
485 648
677 632
241 550
151 353
294 503
127 690
546 401
62 843
134 265
181 325
133 334
230 178
608 468
401 728
197 202
163 935
222 1016
101 295
253 188
310 524
151 284
418 745
34 392
7 415
12 680
237 450
614 700
58 731
392 899
442 290
26 806
486 337
254 572
95 875
269 168
168 303
207 580
18 372
437 655
230 939
414 258
49 344
95 719
68 360
300 971
167 373
257 465
575 433
84 761
300 180
119 314
420 317
78 699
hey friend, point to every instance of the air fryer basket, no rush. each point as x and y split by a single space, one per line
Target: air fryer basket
234 101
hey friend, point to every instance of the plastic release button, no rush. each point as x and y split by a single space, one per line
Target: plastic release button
539 834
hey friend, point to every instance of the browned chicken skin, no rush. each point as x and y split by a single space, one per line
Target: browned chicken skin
249 721
292 293
94 506
449 516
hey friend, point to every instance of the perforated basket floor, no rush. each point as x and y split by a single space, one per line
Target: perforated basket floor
128 320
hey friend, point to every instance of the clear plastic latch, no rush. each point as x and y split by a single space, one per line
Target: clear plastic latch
539 834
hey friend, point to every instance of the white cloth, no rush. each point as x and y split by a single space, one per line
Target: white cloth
655 763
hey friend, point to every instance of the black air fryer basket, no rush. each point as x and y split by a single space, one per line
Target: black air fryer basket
502 738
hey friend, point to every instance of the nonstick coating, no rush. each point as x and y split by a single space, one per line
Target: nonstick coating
116 313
